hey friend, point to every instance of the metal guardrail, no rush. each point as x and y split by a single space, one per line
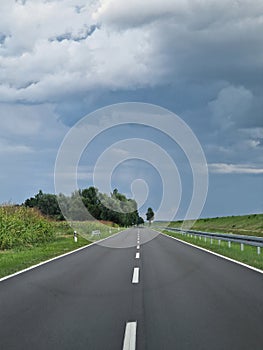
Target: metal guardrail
249 240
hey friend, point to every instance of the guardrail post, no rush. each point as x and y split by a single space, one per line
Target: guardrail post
254 241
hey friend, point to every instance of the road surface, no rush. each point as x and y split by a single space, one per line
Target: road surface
154 294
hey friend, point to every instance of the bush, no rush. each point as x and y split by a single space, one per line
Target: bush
20 226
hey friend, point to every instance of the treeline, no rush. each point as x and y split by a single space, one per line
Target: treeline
88 204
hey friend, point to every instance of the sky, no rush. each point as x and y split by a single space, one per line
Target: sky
200 59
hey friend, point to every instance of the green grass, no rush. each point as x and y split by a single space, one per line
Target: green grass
85 228
251 225
249 256
28 245
13 260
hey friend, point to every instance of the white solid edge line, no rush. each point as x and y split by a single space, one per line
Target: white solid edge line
56 257
216 254
135 277
137 256
129 342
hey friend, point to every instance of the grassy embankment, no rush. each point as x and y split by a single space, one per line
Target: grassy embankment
246 225
27 238
251 225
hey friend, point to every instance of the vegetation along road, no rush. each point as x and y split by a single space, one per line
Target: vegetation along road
140 288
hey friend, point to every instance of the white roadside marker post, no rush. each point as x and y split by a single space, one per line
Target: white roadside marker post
258 250
229 244
242 247
75 236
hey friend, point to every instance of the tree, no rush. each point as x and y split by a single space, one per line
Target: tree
46 203
116 207
90 195
150 215
140 221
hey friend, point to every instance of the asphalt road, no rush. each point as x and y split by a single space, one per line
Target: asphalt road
181 298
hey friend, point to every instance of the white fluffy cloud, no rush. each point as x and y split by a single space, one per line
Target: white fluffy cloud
59 56
231 106
50 50
223 168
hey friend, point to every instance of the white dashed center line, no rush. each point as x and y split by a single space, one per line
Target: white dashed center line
137 256
129 342
135 278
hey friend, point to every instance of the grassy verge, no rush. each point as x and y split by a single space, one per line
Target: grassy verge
85 228
26 255
249 256
14 260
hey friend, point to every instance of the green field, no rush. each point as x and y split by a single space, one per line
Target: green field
27 238
23 227
13 260
251 225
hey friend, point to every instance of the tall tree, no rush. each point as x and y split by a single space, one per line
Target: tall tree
116 207
46 203
150 215
140 221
